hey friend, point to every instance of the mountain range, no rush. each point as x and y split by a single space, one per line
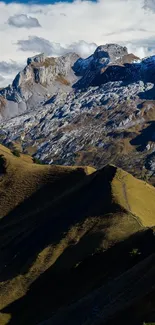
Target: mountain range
73 111
77 228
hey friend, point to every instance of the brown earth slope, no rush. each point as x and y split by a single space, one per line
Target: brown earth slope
65 232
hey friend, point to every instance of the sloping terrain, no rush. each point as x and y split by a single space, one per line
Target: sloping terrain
65 232
128 299
21 178
92 111
76 243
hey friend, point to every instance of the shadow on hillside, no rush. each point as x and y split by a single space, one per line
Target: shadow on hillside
147 134
28 229
56 288
128 73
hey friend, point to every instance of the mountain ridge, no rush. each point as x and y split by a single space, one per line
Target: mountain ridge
109 94
39 69
76 217
77 242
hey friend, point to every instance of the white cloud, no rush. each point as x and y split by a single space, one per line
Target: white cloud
5 81
149 4
35 44
127 22
2 80
8 70
82 48
9 67
142 48
38 45
23 21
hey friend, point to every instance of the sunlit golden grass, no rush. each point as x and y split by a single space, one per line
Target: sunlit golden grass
23 178
136 196
85 210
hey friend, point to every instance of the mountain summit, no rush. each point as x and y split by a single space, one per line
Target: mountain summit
77 242
45 76
69 110
41 78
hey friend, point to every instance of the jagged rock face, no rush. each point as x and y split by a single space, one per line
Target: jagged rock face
128 71
46 71
65 70
111 51
50 74
10 108
103 57
40 58
83 111
43 77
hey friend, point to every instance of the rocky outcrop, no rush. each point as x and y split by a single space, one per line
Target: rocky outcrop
92 67
40 58
45 76
41 77
110 51
74 110
127 68
44 71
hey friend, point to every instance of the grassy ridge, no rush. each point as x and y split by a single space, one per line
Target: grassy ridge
135 196
23 178
55 218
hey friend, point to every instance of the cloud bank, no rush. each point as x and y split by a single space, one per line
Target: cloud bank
149 4
9 67
38 45
8 70
23 21
79 26
35 44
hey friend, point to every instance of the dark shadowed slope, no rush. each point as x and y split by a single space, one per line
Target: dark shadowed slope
65 232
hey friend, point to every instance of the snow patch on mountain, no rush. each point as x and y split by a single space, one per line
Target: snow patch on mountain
54 108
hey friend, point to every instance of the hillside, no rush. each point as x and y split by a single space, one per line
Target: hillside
75 111
66 232
22 178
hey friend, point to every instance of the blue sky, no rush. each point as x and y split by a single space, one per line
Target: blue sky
36 2
41 1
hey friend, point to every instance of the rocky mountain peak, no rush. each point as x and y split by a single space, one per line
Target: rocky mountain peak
111 51
103 56
44 77
74 110
39 58
44 70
